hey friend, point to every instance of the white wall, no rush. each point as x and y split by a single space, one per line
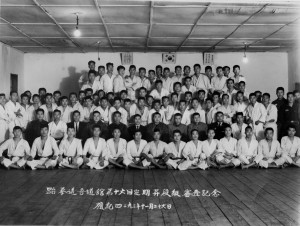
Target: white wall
294 69
11 62
264 71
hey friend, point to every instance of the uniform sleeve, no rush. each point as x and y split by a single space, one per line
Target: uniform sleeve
146 149
79 148
3 147
33 149
86 147
54 147
239 148
27 148
278 149
260 149
186 150
65 128
263 113
61 147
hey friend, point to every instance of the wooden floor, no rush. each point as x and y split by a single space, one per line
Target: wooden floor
248 197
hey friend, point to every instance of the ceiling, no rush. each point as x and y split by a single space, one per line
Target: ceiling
148 26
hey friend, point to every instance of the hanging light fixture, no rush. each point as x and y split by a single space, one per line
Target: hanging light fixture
77 32
245 59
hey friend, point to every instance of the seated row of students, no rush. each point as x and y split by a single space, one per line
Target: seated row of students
97 153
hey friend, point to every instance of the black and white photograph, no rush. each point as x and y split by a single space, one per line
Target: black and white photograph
150 112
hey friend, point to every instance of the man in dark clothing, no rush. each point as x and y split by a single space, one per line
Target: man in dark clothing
199 126
137 127
219 126
96 121
80 127
33 129
157 124
117 124
177 125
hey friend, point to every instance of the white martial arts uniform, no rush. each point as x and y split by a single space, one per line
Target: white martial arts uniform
201 113
146 84
272 113
270 154
240 107
209 148
144 114
153 151
107 83
132 84
118 84
46 112
101 150
4 122
196 152
152 111
218 83
58 131
177 153
71 150
88 113
27 115
15 154
246 152
192 89
290 149
44 154
230 146
201 83
228 113
186 116
257 112
231 96
133 152
168 113
238 78
77 107
95 86
167 84
124 115
14 120
112 152
31 112
158 96
238 133
104 113
65 113
210 115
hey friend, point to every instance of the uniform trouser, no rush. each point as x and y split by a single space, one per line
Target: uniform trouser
286 159
265 163
94 163
245 159
128 160
224 160
20 161
44 161
66 161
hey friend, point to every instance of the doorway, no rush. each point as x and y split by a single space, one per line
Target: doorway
14 82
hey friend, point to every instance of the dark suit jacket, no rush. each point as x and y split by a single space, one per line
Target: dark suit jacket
219 130
33 130
81 130
131 130
164 131
103 127
121 126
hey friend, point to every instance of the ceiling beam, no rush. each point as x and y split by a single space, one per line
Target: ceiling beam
150 24
194 27
32 39
245 21
57 24
104 24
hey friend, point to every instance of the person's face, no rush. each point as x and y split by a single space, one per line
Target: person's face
228 132
208 72
101 71
297 95
216 99
92 77
248 133
187 70
137 120
166 102
132 71
195 135
42 92
96 132
73 98
117 104
97 117
195 104
64 102
174 98
242 87
240 97
2 99
258 94
240 119
178 71
209 104
188 82
177 137
230 84
40 115
117 118
44 132
110 69
71 132
25 100
28 93
269 134
158 71
201 96
142 93
150 101
182 106
188 97
157 106
156 119
266 99
226 71
290 98
159 86
123 96
90 93
197 69
17 133
92 66
151 76
142 73
56 116
225 100
220 71
167 73
156 136
211 134
137 136
127 105
177 120
57 96
220 117
48 99
14 97
236 71
76 117
122 72
177 88
89 102
291 132
141 103
280 94
197 118
117 133
253 99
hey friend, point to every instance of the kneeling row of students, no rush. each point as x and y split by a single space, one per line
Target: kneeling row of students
137 153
